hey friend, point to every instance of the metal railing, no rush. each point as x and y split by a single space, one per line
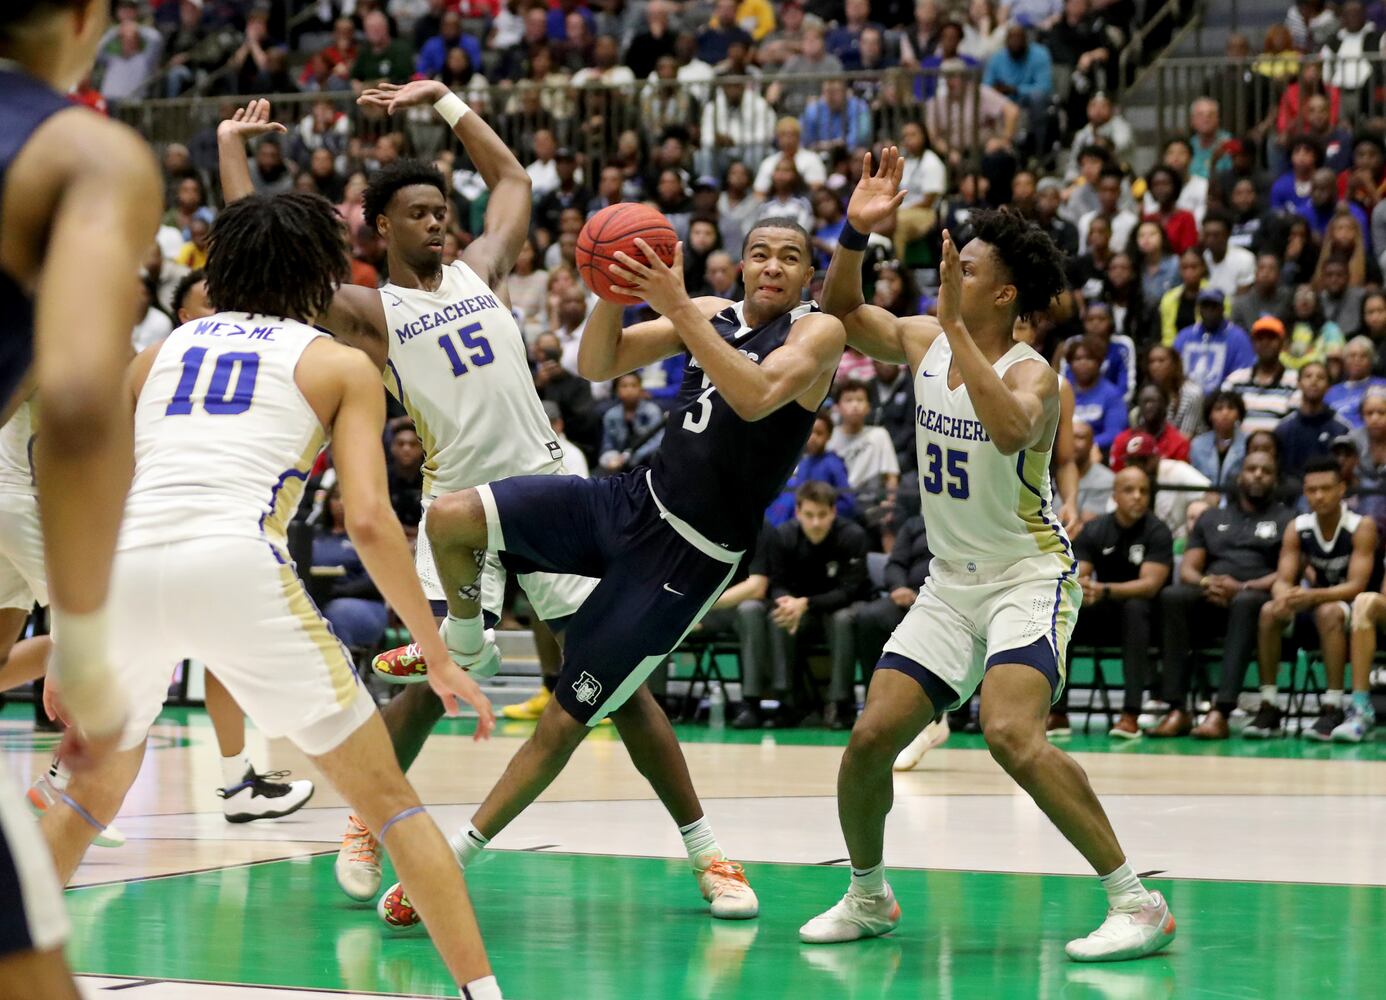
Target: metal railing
1156 34
598 121
1250 92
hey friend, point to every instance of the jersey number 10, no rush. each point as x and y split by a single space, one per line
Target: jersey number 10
222 398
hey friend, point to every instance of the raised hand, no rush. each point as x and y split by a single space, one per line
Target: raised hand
949 286
250 122
878 193
393 97
660 285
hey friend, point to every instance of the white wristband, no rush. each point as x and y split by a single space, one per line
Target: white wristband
452 108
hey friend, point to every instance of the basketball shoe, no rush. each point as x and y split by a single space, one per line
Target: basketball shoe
406 664
358 862
264 796
855 916
935 734
1126 934
43 794
723 884
530 709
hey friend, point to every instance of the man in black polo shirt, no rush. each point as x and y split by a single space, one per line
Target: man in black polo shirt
1124 561
1225 577
816 566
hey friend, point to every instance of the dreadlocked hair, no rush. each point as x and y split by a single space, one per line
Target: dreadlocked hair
280 256
1035 262
388 180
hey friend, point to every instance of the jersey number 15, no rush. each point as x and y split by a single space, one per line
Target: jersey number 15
483 354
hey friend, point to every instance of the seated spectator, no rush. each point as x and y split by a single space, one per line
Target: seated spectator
737 124
1310 23
906 571
1118 352
924 182
1094 479
1374 327
1152 408
722 277
1023 72
193 255
1087 272
816 565
844 41
1103 123
1165 185
1165 368
633 430
1345 398
1122 291
837 118
1124 561
786 197
527 287
720 32
1096 402
1269 386
807 163
1231 270
1178 485
655 42
189 202
817 466
985 31
1083 54
1208 138
868 452
1308 432
405 468
382 57
1225 577
433 54
813 62
1323 201
128 54
1344 240
893 405
572 394
1327 558
1312 336
1265 297
956 114
1122 221
567 193
1213 348
1048 199
1156 260
1218 452
350 603
949 46
1290 192
1340 302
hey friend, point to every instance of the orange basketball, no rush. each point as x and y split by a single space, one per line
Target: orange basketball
614 228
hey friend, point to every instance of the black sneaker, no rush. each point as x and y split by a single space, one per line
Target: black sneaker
1268 724
264 796
1330 718
748 718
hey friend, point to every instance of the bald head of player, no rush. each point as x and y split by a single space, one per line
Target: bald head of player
776 268
406 203
56 40
1011 269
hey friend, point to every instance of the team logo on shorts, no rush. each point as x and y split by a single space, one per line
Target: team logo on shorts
588 689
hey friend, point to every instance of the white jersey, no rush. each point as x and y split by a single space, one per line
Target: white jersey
979 505
457 363
16 442
224 440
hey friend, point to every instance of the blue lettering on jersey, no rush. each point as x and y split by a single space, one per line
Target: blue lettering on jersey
216 328
953 427
693 362
448 314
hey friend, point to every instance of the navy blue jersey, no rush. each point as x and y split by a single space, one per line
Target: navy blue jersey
715 470
25 104
1328 557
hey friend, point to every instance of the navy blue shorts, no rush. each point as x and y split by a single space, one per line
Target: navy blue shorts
658 576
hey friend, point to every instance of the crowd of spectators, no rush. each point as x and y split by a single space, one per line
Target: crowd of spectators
1224 337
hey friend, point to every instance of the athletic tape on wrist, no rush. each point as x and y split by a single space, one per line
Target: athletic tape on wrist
411 811
850 239
452 108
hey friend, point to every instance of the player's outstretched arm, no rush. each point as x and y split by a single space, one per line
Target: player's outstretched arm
753 391
1016 409
492 254
608 351
108 197
375 531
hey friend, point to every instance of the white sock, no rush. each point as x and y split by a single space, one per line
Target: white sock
464 635
473 843
869 881
1269 694
701 843
1124 889
233 769
482 989
1333 699
58 774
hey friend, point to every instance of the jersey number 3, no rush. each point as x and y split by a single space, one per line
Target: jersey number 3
483 356
223 398
696 423
933 479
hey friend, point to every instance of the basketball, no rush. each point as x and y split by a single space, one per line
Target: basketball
615 228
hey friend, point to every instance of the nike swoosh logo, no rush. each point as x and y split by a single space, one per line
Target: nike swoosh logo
1108 551
673 591
928 374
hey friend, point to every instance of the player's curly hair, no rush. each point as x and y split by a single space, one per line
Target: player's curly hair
184 286
279 256
388 180
1034 260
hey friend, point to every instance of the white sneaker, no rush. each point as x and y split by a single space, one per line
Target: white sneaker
855 916
264 796
932 735
486 662
723 884
42 794
1127 934
358 862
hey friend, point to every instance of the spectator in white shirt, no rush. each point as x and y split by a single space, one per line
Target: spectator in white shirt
1122 221
1231 269
924 182
808 163
1104 122
737 125
873 470
543 172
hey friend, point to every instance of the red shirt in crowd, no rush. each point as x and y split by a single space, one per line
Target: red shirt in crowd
1169 443
1180 227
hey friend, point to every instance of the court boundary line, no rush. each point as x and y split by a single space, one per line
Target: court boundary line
197 871
138 981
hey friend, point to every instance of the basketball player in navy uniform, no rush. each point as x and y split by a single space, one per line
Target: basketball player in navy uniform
79 204
1326 560
665 540
1002 595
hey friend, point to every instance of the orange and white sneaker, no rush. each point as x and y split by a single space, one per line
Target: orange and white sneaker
723 884
395 909
401 665
1127 934
43 793
358 862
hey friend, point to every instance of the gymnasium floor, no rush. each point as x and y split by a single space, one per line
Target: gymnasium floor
1273 857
